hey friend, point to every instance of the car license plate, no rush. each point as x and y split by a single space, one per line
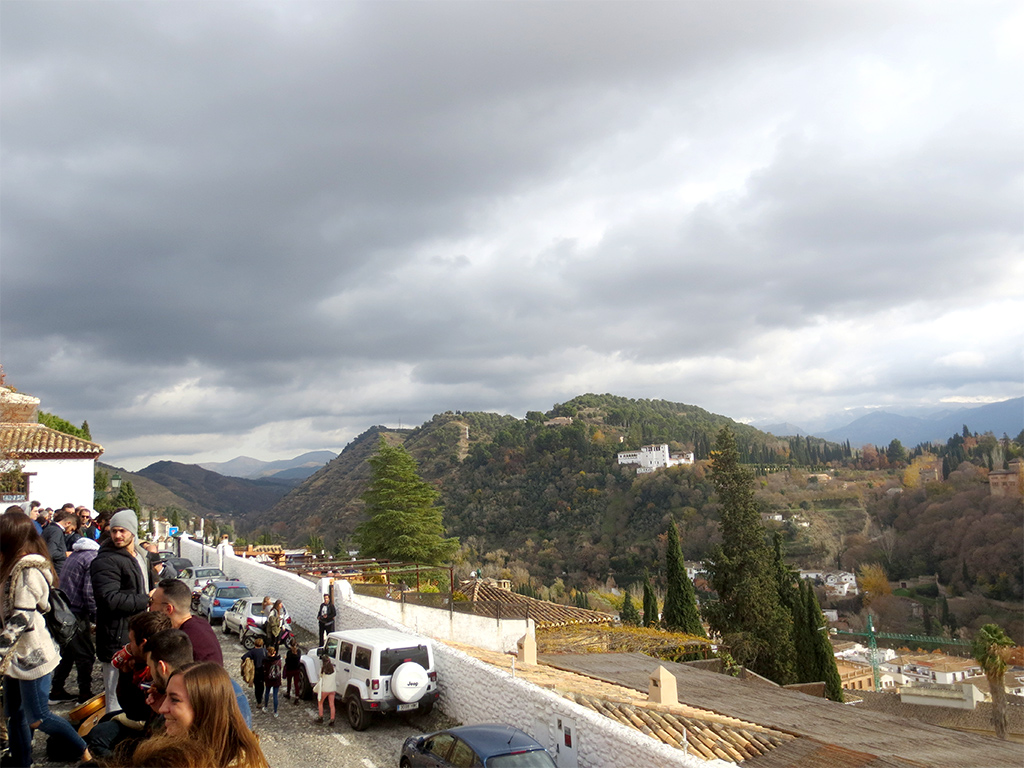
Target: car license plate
407 707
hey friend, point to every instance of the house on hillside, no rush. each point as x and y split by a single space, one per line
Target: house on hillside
652 457
924 668
55 468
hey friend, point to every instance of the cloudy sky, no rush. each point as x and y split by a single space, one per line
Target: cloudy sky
259 228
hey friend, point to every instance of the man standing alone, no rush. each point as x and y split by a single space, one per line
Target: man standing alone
121 589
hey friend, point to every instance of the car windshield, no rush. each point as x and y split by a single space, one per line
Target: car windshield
203 573
233 592
392 658
537 758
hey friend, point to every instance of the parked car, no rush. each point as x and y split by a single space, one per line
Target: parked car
246 617
378 671
218 596
197 578
491 746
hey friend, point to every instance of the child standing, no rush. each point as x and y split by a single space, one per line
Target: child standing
271 677
258 655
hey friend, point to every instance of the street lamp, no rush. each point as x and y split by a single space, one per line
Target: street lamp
115 483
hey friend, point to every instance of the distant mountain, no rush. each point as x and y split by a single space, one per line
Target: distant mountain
152 494
298 468
785 429
881 427
210 491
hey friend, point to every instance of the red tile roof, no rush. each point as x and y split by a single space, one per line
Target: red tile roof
34 441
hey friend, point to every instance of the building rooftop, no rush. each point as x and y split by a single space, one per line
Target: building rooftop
34 441
546 614
864 738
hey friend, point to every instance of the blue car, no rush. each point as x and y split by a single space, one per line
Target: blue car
491 746
218 596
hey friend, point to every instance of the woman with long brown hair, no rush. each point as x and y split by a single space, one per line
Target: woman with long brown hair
200 707
28 654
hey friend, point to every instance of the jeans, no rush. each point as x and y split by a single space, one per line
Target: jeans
266 695
26 702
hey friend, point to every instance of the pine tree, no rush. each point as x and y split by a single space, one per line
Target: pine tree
650 604
748 615
404 523
629 613
680 614
126 498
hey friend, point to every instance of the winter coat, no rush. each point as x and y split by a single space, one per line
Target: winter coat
326 614
53 535
119 588
26 647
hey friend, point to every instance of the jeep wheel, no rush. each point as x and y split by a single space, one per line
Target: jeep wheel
426 708
409 682
305 689
357 718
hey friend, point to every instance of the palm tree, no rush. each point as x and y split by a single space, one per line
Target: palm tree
991 648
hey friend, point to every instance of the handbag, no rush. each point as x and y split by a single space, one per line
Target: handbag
60 619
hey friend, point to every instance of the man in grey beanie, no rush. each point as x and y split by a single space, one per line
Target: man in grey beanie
120 585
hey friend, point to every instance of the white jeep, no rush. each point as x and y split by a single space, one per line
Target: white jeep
377 670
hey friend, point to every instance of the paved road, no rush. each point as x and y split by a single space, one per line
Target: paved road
293 740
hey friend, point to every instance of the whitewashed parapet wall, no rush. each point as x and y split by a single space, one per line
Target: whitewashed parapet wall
471 691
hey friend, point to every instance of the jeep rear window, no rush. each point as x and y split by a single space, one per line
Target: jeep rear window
392 658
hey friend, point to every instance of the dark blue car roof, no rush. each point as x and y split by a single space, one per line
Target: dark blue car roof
490 740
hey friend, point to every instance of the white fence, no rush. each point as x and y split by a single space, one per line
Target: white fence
471 691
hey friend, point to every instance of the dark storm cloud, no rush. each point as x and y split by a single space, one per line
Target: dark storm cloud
326 213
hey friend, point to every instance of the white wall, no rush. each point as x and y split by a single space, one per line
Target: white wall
493 634
471 691
58 481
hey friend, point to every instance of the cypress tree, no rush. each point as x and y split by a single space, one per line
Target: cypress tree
680 613
823 659
629 613
749 616
650 603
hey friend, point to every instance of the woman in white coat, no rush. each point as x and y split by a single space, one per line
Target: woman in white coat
326 687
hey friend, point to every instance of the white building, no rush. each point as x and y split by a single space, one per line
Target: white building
55 468
652 457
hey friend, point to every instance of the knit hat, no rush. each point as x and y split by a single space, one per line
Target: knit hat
85 544
125 519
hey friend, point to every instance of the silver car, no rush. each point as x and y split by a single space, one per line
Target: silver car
246 618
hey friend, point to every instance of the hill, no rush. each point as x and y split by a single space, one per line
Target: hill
204 491
152 494
298 468
552 496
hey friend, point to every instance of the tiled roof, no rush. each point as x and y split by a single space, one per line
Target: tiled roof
34 441
544 613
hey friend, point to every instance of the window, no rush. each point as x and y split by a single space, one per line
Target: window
363 656
392 658
233 592
462 756
346 653
329 648
439 745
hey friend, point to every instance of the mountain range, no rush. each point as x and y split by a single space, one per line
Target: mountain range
298 468
881 427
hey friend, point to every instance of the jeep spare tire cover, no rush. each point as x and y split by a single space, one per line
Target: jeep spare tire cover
409 682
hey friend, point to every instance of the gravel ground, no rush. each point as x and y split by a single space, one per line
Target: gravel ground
293 740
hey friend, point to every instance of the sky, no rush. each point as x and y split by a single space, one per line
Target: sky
255 228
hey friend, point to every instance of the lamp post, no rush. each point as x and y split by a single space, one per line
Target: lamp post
115 484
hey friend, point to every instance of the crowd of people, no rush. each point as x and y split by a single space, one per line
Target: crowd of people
168 700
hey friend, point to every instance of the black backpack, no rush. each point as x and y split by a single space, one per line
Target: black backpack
60 619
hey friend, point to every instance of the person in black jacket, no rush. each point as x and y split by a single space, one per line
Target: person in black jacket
121 590
55 536
325 618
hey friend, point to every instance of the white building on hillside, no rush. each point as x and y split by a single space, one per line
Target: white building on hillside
652 457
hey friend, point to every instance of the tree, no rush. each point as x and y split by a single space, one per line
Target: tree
680 612
874 582
126 498
748 613
823 659
404 522
896 453
650 603
991 649
629 613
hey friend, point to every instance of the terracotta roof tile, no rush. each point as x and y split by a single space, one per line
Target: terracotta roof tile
544 613
34 441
